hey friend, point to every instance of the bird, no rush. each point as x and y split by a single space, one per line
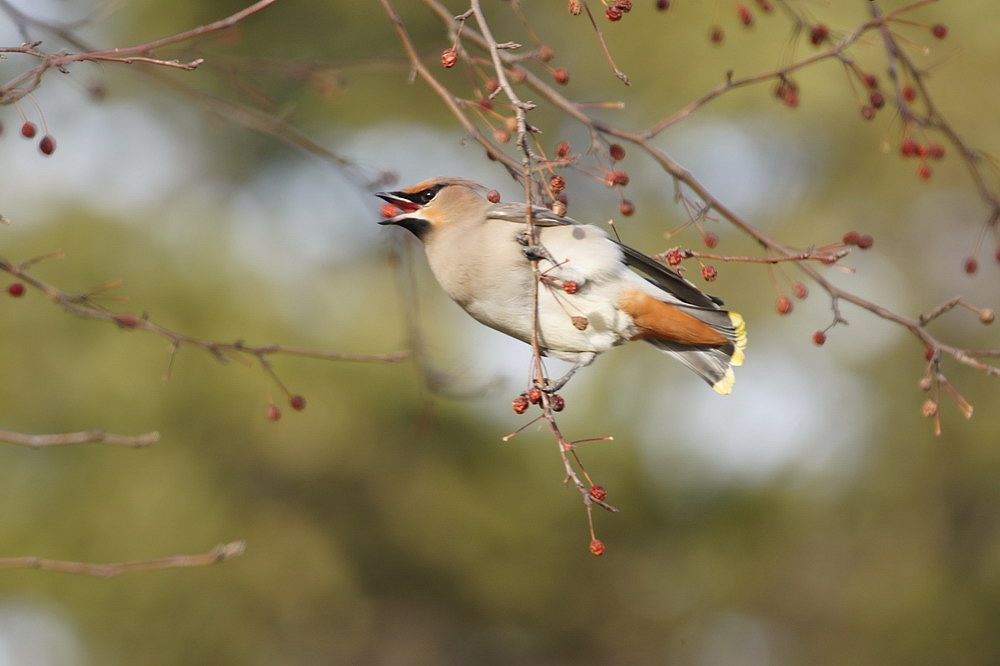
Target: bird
594 293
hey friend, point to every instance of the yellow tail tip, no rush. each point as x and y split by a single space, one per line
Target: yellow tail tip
725 385
740 341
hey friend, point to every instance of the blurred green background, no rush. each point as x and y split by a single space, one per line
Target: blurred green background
811 517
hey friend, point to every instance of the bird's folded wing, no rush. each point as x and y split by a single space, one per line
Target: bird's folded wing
517 212
668 280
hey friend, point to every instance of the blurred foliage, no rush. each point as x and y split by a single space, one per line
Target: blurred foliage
386 525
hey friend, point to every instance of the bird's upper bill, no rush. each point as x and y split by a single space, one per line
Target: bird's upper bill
400 200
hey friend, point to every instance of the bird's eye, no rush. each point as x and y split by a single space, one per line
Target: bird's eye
426 196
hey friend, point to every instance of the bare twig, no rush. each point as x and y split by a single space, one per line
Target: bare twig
218 554
83 437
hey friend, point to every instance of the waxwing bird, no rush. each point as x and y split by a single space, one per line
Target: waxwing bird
592 296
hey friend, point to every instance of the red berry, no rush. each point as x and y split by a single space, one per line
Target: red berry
492 85
626 207
819 338
297 402
501 135
485 103
923 150
388 210
867 112
558 403
575 7
928 353
818 34
493 196
743 12
709 273
784 305
792 98
800 290
851 238
618 178
558 183
560 75
596 547
877 99
909 94
624 5
520 404
562 148
936 151
617 152
939 30
28 130
273 413
663 5
909 147
924 171
674 257
15 289
716 36
545 53
570 287
598 493
711 240
126 320
534 395
613 13
871 81
865 242
517 74
971 265
765 6
448 58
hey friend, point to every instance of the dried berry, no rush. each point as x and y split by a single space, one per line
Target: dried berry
575 7
663 5
743 12
851 238
562 148
28 130
388 210
716 35
800 290
877 99
865 242
909 94
545 53
297 402
273 413
818 34
560 75
939 30
534 395
493 196
598 493
618 178
929 408
971 265
570 287
867 112
448 58
674 257
613 13
557 183
520 404
617 152
558 403
596 547
819 338
626 207
986 316
709 273
924 172
784 305
710 239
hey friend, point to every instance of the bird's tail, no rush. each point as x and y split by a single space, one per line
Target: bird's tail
714 364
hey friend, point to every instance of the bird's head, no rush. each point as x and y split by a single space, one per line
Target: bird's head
434 204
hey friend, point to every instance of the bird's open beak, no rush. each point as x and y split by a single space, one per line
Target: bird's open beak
400 201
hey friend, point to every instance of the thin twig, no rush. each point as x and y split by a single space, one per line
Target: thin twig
218 554
82 437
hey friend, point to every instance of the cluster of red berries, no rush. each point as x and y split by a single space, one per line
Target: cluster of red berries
862 241
615 11
47 145
787 91
922 151
296 402
533 396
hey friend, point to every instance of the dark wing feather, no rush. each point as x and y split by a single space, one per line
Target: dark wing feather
668 280
515 212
